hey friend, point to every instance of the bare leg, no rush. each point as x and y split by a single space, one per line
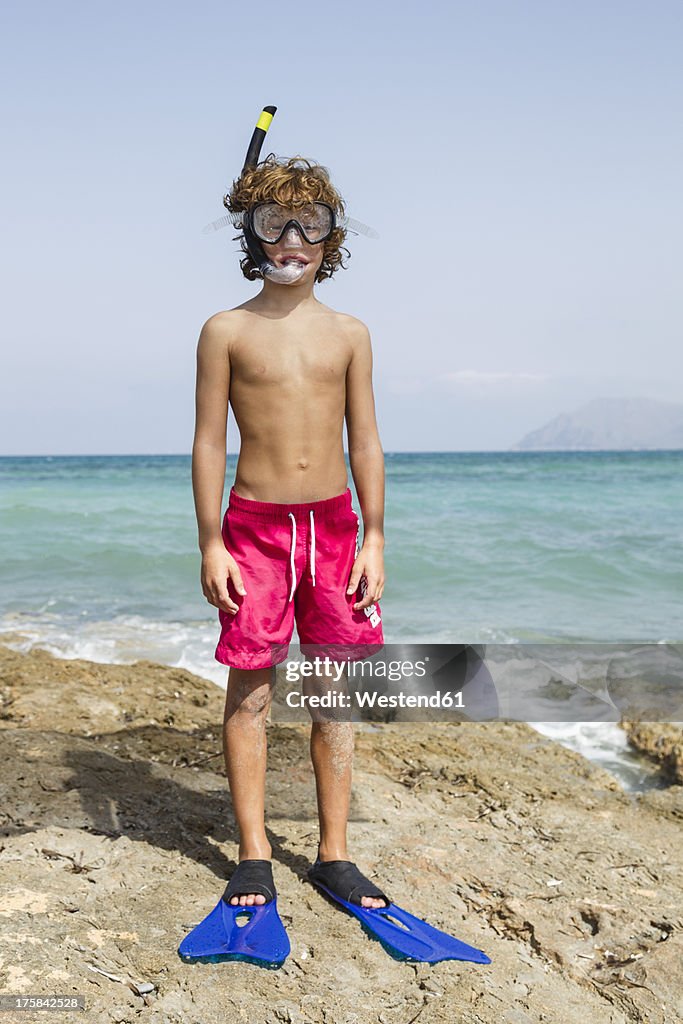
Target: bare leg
332 756
247 701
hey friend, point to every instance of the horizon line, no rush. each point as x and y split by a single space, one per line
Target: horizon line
405 451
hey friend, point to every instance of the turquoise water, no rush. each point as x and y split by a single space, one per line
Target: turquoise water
99 554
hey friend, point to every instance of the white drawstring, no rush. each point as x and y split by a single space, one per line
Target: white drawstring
312 547
291 555
293 549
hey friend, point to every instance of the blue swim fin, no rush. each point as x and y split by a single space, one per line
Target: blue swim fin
251 934
402 935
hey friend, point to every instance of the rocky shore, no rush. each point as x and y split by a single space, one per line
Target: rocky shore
117 835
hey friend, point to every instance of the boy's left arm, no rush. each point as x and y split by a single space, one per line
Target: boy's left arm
367 467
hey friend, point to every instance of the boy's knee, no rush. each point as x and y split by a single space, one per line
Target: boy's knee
249 692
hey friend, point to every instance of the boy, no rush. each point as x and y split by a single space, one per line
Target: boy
293 369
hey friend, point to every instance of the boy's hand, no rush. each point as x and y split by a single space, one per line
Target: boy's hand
369 563
218 566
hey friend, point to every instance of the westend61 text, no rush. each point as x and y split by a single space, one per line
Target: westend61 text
447 699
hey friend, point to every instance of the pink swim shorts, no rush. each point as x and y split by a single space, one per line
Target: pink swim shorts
295 561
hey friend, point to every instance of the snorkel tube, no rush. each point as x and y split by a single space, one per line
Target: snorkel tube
289 272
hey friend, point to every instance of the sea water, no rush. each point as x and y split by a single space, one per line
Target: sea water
100 559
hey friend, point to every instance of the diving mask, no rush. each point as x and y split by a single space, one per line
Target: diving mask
269 221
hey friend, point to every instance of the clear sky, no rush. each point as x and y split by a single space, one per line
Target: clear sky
521 162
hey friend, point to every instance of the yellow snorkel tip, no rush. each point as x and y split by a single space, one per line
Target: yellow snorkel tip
265 118
262 125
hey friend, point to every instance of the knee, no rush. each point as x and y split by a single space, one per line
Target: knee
249 696
254 705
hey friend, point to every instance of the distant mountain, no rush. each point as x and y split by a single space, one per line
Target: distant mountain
610 423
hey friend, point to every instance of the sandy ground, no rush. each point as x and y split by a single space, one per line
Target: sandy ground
117 836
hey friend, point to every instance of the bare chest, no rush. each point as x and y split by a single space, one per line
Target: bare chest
283 359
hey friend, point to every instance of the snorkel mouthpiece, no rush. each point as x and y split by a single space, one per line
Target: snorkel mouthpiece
289 272
282 275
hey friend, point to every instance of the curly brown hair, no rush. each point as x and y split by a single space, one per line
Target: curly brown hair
293 182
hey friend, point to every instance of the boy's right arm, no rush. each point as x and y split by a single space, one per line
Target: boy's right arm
208 461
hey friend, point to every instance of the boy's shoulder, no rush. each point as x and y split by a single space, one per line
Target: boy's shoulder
352 322
222 327
224 319
351 325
